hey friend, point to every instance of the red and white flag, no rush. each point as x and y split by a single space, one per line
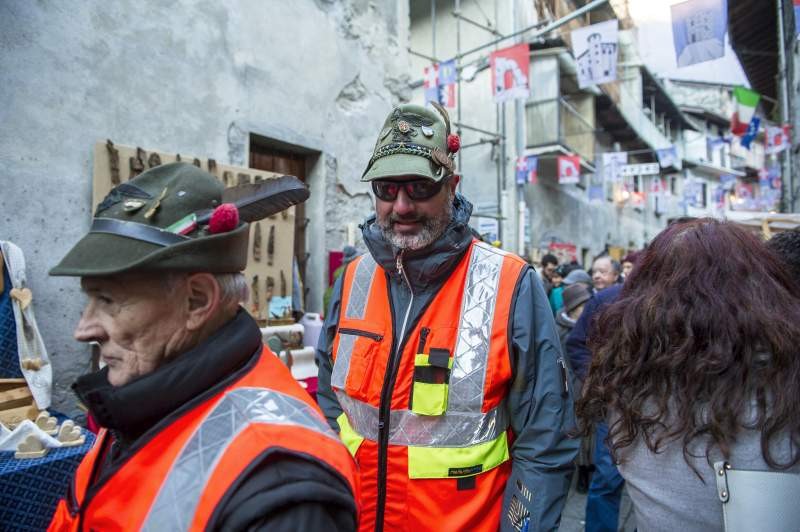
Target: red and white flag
436 90
569 169
777 139
431 78
510 68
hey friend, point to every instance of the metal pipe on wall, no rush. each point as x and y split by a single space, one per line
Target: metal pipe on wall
784 99
499 152
458 80
433 27
519 137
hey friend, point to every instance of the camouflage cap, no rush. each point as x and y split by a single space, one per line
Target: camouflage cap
414 140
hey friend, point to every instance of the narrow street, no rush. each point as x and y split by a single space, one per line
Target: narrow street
573 516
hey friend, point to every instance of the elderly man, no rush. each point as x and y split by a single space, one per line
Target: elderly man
605 272
440 363
203 427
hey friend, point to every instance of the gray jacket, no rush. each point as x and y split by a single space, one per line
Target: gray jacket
540 399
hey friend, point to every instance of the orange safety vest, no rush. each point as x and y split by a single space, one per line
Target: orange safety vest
425 412
177 478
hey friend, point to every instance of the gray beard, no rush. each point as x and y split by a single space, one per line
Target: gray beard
432 228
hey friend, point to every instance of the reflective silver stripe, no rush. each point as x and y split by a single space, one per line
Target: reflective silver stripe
179 495
356 307
474 330
454 429
341 364
359 292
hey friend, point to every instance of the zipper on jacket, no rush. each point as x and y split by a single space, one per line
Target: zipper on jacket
72 499
564 376
358 332
386 398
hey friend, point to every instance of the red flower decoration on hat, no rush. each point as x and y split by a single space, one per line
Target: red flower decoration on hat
453 143
224 218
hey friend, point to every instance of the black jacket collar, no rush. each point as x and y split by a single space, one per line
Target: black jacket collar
130 410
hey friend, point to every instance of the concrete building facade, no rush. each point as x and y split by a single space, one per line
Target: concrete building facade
558 118
313 79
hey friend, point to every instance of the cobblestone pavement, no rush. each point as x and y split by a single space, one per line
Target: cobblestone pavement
572 519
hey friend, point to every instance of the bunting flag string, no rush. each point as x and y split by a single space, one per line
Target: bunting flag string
527 170
777 139
595 51
746 102
569 169
510 70
439 82
698 30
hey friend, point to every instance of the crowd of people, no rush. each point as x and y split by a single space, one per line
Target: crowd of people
458 388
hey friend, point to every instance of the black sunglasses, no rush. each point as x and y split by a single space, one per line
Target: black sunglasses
418 190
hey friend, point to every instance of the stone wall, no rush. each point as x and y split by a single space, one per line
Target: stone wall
195 78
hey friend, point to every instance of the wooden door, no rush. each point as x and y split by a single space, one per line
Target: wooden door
264 157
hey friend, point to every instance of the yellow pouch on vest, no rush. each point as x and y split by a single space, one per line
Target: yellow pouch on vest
351 439
430 388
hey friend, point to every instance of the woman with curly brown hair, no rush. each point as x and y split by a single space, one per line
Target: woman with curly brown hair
698 361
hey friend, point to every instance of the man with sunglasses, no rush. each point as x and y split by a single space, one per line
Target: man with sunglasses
439 352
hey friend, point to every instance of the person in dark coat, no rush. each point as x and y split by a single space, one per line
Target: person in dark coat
574 296
605 490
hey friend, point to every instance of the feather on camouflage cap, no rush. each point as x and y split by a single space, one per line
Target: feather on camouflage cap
413 141
163 220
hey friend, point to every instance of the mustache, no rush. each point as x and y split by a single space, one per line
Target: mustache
393 218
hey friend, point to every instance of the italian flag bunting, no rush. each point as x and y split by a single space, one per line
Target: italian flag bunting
746 102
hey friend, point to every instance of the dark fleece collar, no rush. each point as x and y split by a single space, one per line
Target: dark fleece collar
130 410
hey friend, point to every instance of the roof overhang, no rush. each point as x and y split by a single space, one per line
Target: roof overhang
707 115
754 38
554 150
712 169
765 222
664 103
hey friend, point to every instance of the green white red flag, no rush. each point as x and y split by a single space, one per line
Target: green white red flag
745 101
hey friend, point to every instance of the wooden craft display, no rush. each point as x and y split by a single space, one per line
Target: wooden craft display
16 402
269 260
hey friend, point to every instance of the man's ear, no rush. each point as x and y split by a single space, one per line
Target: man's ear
454 182
203 293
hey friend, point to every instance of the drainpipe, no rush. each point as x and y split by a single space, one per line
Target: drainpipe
788 175
518 194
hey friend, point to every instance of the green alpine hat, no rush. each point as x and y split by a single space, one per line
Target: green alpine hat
176 217
414 140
